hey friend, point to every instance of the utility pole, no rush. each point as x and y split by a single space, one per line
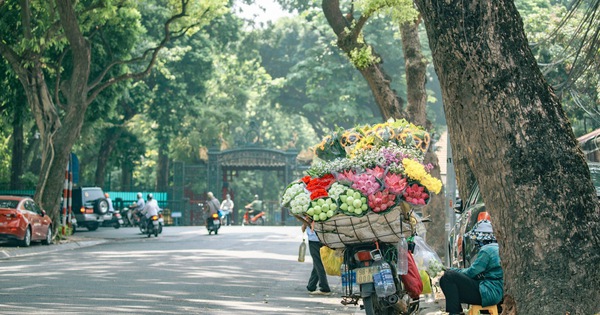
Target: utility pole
450 194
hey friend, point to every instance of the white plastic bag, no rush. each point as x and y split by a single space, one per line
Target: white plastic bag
426 258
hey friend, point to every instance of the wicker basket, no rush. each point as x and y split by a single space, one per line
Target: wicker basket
342 230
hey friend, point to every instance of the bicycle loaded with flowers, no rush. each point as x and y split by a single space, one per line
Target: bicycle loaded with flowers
362 188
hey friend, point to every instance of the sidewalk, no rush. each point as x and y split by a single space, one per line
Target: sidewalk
435 307
73 242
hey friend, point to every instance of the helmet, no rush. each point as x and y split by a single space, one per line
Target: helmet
255 196
150 196
106 195
139 195
482 233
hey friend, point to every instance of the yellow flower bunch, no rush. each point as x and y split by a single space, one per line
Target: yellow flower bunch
416 171
363 144
432 184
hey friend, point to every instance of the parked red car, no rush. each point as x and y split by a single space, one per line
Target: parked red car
23 221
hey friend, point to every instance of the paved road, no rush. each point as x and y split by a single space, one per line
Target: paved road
243 270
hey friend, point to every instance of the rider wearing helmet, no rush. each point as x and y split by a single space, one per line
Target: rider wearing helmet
255 206
138 207
151 208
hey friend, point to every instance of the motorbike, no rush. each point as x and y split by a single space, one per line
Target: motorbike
160 220
253 217
360 263
125 216
130 216
152 226
213 224
115 221
223 215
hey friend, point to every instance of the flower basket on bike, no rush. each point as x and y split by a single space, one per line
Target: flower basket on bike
370 177
359 195
342 230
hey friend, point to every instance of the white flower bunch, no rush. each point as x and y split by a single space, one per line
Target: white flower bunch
320 167
291 192
336 190
300 203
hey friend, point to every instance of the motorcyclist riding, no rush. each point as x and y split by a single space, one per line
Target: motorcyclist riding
213 207
226 209
255 207
151 208
134 213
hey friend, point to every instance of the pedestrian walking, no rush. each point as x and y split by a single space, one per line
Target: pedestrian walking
317 283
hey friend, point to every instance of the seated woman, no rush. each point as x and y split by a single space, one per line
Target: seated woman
480 284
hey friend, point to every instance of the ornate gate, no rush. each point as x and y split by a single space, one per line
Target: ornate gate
222 163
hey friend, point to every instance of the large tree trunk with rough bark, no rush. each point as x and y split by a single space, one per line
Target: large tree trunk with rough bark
509 125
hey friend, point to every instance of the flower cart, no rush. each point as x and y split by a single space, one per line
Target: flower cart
359 195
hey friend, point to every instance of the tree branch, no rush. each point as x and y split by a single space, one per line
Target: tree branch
80 48
13 59
333 14
359 25
52 31
58 78
26 18
96 87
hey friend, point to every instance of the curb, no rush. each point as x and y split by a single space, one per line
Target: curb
7 253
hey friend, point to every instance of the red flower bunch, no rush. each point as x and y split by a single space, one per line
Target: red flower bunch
305 179
318 193
416 194
381 200
320 183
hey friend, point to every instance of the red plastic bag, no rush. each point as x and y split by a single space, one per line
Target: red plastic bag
412 280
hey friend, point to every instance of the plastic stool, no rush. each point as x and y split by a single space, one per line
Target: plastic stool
474 310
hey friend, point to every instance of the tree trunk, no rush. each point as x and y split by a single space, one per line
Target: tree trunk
111 135
31 150
162 170
50 185
390 105
17 165
416 71
509 125
126 175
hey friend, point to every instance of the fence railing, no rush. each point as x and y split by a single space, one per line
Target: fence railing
179 212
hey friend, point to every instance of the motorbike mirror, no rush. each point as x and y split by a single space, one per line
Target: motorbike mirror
458 207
